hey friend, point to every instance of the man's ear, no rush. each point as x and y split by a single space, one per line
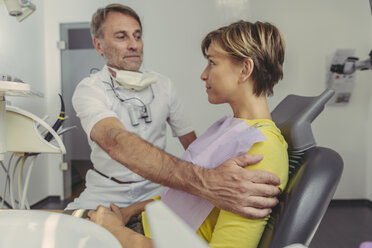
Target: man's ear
247 69
97 42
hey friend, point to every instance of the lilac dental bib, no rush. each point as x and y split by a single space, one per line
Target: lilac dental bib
227 138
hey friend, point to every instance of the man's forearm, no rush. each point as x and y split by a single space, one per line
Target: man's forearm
145 159
154 164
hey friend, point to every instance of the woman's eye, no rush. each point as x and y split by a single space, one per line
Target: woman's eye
211 62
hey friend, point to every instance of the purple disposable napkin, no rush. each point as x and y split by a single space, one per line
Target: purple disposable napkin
227 138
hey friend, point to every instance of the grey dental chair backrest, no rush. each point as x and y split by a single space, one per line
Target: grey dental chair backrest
313 178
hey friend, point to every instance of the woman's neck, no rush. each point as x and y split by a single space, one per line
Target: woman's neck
251 107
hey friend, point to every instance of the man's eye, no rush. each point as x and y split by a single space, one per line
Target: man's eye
138 37
211 62
121 37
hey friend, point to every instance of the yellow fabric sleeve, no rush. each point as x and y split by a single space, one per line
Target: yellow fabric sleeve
145 223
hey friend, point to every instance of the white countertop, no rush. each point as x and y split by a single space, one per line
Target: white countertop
17 89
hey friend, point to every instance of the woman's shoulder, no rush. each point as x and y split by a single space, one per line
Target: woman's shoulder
273 149
270 130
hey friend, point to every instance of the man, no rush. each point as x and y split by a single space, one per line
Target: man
117 92
114 132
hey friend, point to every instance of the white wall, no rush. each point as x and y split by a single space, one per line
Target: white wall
173 31
22 54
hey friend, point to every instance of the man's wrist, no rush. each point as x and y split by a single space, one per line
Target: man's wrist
192 178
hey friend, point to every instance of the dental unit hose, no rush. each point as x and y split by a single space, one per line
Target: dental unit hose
48 137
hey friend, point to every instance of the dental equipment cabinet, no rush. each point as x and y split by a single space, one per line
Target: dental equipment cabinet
24 134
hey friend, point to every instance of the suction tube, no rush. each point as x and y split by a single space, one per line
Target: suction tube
48 137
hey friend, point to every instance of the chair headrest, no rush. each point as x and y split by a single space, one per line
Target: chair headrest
294 115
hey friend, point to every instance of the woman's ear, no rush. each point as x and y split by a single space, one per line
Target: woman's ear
247 69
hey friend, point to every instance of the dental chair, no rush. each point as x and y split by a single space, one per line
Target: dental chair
314 173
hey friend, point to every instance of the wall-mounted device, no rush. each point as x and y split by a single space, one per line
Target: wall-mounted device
352 64
341 75
19 8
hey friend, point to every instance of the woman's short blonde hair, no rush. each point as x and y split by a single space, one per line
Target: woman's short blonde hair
262 42
98 19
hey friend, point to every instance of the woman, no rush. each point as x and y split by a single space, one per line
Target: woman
244 63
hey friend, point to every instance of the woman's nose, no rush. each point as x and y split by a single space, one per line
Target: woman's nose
203 76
